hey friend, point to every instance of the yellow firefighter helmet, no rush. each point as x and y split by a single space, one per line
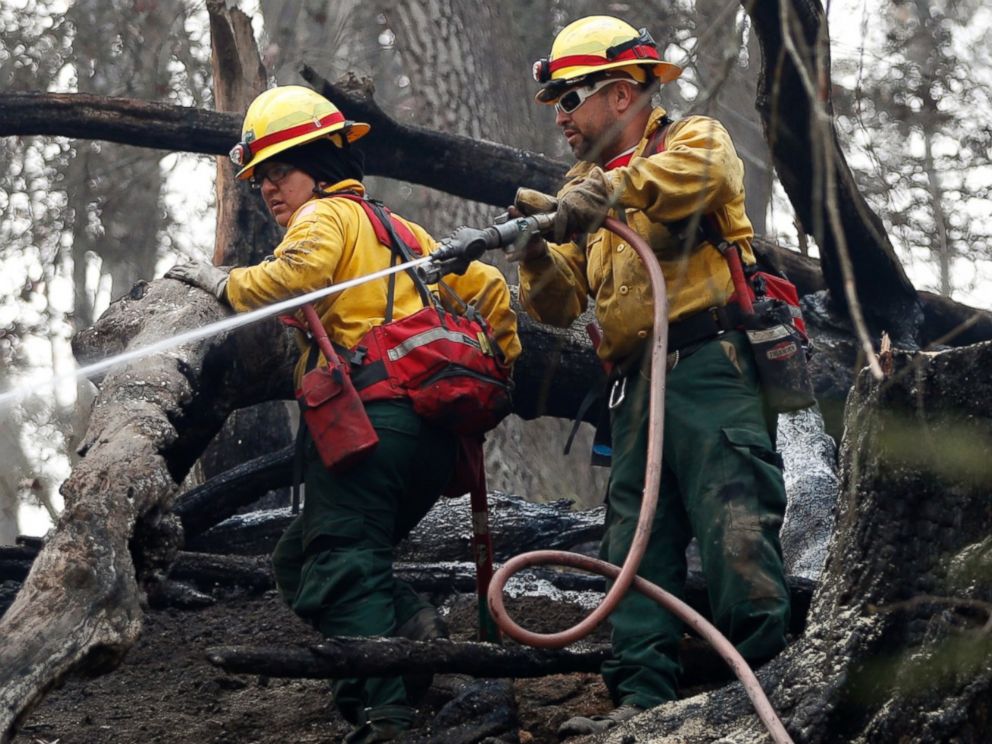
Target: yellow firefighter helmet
284 117
596 44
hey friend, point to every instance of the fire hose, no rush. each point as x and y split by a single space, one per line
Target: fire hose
467 244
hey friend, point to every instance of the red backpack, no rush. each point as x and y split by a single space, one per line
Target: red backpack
444 360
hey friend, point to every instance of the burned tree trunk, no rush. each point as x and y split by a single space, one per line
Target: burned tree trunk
795 107
897 647
246 232
80 607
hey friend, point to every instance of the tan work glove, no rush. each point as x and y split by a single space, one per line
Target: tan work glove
583 204
530 202
209 278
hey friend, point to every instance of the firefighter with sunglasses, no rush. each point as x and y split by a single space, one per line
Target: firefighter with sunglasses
722 479
334 564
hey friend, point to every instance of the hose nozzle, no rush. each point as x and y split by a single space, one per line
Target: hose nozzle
467 244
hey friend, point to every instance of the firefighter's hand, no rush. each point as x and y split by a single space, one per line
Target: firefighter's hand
528 202
529 250
209 278
583 204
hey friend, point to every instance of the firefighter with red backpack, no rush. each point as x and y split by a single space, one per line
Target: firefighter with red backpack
427 364
722 479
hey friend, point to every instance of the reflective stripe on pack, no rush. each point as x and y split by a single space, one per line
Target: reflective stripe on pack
430 336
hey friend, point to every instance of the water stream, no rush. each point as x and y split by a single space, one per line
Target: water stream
227 324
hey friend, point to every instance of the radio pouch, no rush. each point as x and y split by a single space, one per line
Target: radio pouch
334 414
779 349
335 417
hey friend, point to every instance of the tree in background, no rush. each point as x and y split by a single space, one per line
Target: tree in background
917 114
726 67
81 221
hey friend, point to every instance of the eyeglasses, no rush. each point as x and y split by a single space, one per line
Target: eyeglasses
275 172
577 96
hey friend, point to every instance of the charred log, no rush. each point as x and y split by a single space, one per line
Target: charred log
395 150
176 594
413 152
345 657
223 495
443 535
15 561
373 657
208 571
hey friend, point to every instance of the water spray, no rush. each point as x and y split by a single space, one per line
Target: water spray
227 324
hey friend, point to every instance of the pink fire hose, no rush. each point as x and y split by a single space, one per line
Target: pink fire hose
626 576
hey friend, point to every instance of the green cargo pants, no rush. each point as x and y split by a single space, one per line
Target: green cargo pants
722 483
334 564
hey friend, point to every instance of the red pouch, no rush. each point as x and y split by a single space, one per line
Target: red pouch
335 417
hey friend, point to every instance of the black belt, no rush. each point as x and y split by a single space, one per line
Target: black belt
704 325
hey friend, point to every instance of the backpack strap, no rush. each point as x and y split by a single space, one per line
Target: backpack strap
381 233
396 236
657 143
398 246
708 230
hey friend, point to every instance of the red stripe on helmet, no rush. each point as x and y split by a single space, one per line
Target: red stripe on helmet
642 51
287 134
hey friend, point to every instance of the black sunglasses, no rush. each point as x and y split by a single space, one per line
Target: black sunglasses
275 172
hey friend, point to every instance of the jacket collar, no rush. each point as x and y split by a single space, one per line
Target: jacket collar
582 167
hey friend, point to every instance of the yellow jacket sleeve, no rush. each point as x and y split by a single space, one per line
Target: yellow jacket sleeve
305 260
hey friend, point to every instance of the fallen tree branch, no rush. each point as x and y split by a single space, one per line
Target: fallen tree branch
214 501
481 171
348 657
376 657
444 534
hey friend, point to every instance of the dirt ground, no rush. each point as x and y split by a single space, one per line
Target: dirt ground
166 691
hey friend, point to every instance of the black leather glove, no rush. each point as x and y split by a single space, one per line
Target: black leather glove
209 278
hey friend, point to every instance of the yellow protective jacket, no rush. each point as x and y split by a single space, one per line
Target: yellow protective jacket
699 172
330 240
